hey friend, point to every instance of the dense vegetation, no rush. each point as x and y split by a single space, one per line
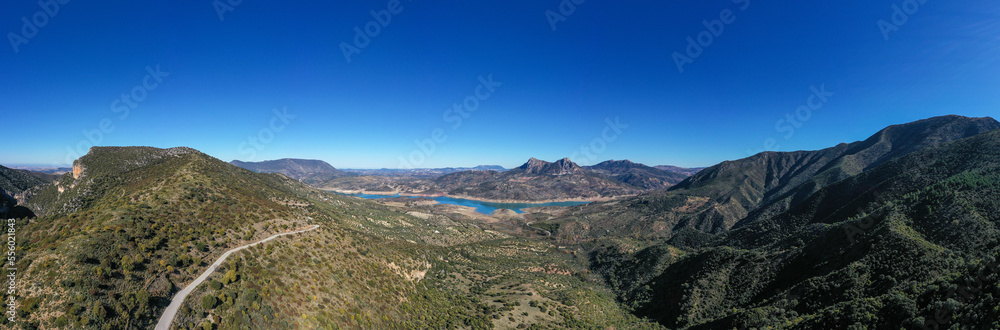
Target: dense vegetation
17 185
719 197
129 227
638 175
308 171
899 231
910 243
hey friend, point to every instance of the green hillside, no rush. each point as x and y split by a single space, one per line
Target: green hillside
15 187
309 171
130 226
912 242
717 198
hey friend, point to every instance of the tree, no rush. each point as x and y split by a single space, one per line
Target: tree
127 263
208 301
98 309
230 277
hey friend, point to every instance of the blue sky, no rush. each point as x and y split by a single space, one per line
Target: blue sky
554 91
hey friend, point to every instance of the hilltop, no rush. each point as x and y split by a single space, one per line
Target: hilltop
717 198
680 170
117 236
909 242
639 175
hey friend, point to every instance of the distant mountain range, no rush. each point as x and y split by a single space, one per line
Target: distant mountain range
18 185
535 180
680 170
900 230
717 198
902 220
117 237
423 172
642 176
309 171
491 182
45 169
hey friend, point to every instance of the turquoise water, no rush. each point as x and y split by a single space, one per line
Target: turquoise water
481 207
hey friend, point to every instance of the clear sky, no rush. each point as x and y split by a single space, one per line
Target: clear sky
178 73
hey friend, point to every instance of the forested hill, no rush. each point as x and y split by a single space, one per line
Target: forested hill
310 171
117 237
719 197
17 186
909 243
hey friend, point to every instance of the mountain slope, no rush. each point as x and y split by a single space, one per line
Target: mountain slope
308 171
717 198
912 242
639 175
680 170
15 187
536 180
128 226
15 182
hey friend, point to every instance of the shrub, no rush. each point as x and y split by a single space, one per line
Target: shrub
208 302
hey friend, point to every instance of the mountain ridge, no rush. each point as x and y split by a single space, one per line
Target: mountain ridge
305 170
904 235
636 174
715 199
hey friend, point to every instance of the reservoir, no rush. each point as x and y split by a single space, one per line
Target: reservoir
481 207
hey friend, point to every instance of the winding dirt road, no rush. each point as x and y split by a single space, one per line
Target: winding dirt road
175 304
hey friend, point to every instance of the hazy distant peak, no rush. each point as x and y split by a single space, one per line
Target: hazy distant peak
618 163
561 167
305 170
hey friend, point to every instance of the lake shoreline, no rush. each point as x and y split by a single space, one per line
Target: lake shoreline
478 199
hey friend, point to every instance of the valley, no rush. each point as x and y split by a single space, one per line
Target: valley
473 165
483 207
881 232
